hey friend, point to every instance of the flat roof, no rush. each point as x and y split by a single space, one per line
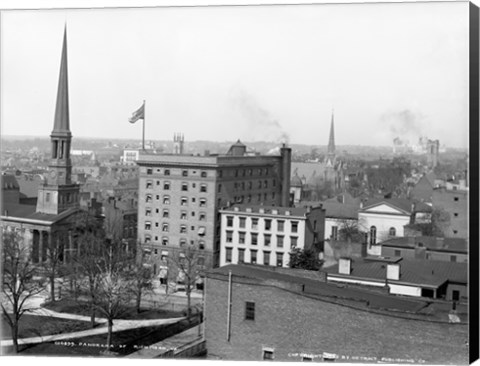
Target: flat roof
456 245
268 210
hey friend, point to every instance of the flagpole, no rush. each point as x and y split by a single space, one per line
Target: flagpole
143 129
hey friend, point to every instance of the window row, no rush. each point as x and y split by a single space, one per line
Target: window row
202 216
166 200
184 186
267 239
167 172
267 224
183 228
165 241
247 172
373 234
244 256
250 184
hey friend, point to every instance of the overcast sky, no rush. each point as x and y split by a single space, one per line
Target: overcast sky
253 72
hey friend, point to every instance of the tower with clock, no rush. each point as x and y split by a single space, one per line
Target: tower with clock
58 193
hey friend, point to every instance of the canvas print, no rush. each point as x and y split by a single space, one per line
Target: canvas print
264 182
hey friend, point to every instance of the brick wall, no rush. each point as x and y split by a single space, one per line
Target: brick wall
293 325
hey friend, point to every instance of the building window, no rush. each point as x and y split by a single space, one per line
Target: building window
229 238
158 182
254 224
165 228
253 256
182 242
183 229
241 255
267 240
219 188
397 253
148 239
242 222
249 310
334 234
183 201
228 255
268 354
201 244
165 214
280 241
166 172
202 216
148 198
149 184
279 259
455 214
273 195
293 242
184 186
149 171
148 212
280 225
254 239
294 226
392 231
183 215
184 173
229 221
156 224
306 358
164 241
241 237
166 200
453 258
455 198
259 184
265 184
203 202
373 235
203 188
268 224
203 174
148 225
266 258
157 197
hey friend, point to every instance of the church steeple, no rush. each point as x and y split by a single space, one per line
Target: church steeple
58 193
330 159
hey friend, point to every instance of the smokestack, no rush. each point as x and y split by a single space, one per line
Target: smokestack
344 266
286 154
393 271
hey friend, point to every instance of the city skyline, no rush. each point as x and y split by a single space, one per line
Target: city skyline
279 80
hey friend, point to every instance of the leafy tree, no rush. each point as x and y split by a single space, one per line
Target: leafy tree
19 281
305 259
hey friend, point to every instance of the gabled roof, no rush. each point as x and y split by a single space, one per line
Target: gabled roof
457 245
340 210
401 204
412 272
9 182
17 212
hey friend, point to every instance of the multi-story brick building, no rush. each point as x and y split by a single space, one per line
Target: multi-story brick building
180 195
455 204
258 313
267 234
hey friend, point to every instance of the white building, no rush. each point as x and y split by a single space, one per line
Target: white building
386 218
266 234
130 156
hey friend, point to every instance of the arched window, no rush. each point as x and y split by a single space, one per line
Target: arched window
373 235
392 231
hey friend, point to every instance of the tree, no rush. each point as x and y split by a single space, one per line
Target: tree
142 275
53 263
189 266
19 281
305 259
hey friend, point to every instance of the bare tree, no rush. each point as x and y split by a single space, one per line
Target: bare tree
19 281
189 266
142 275
53 263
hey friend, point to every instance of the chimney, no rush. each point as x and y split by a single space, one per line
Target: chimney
393 271
235 209
345 266
261 210
286 156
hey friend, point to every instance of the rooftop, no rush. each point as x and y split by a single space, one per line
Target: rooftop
269 210
416 272
430 242
406 205
15 211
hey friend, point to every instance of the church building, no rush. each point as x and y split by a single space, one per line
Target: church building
51 221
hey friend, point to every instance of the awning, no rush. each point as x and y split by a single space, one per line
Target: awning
201 231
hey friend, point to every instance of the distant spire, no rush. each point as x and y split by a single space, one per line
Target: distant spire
331 140
61 124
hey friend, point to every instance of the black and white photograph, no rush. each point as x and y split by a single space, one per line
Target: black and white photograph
240 181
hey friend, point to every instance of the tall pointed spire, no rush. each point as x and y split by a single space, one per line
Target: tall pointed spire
61 124
331 140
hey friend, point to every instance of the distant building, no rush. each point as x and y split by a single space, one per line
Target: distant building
130 156
258 313
266 234
426 248
407 277
180 195
386 218
454 203
178 143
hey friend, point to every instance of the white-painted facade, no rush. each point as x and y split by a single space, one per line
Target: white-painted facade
334 225
405 290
